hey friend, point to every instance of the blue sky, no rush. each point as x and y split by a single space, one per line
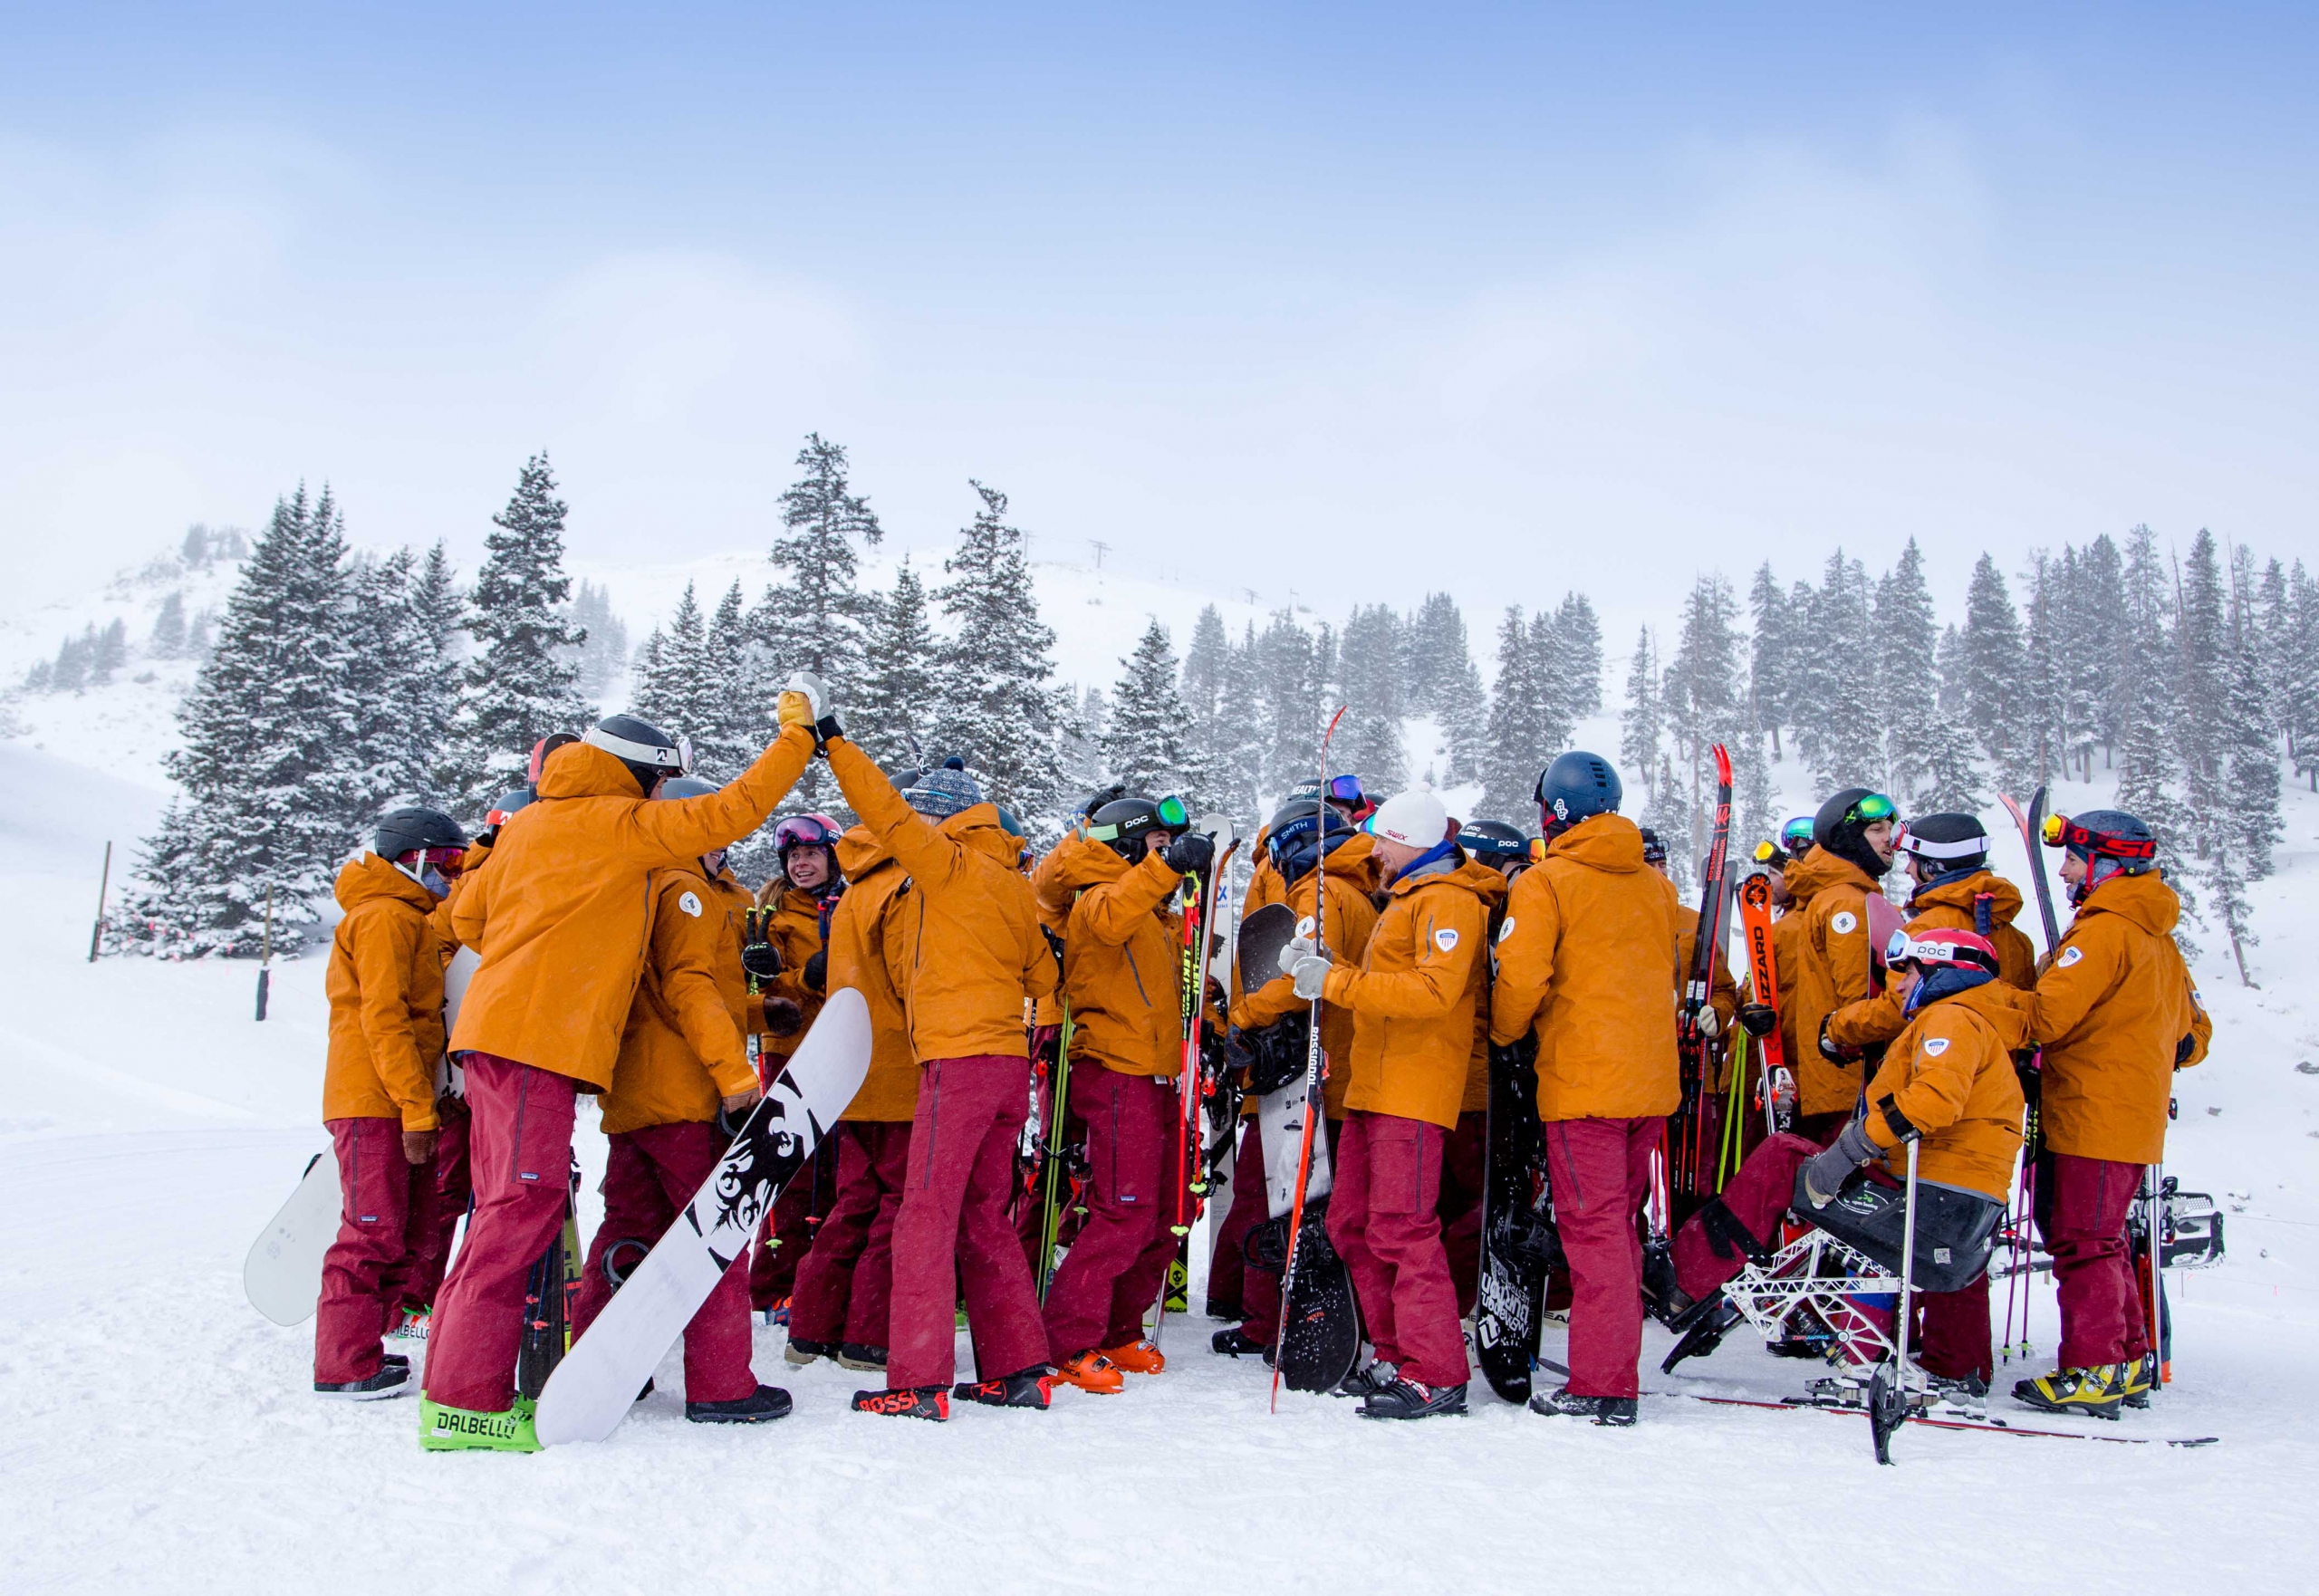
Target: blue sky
1504 300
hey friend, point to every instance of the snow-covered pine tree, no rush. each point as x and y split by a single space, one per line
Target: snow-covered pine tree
1995 705
600 659
2300 688
1515 741
392 751
1701 691
1770 652
812 619
900 659
110 653
1147 745
1577 661
437 612
1291 681
1907 676
2036 754
265 763
998 707
1436 644
516 687
1238 765
1202 688
1642 721
2202 684
2250 740
1669 813
672 687
1463 710
2273 636
1836 730
1082 744
1372 673
737 723
167 641
2098 600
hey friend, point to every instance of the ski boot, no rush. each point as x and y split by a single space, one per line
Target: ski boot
1092 1371
1367 1380
1136 1357
1703 1331
762 1406
2137 1380
800 1353
394 1379
1032 1387
1237 1343
906 1402
1967 1399
414 1325
2075 1390
777 1311
1230 1313
1619 1411
1409 1398
862 1355
463 1429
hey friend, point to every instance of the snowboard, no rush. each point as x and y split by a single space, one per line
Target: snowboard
1320 1324
448 1076
1517 1238
596 1382
283 1271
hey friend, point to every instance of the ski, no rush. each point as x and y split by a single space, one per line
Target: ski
2032 823
1689 1183
1998 1427
1777 1085
1197 902
594 1384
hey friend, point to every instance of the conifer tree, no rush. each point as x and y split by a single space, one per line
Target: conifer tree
2148 762
736 724
1370 673
1083 749
1237 764
517 687
1907 676
2102 599
1147 745
391 753
168 628
1992 663
1515 741
1577 660
999 709
598 661
901 660
2299 689
1289 670
1839 737
266 762
1463 710
1205 664
671 689
1770 649
109 652
1700 692
812 619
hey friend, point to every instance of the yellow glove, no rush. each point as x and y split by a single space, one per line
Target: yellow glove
795 709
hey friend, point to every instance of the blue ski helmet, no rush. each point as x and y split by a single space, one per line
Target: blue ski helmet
1575 787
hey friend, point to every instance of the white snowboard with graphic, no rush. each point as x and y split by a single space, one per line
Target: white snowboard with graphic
596 1383
1282 1116
284 1273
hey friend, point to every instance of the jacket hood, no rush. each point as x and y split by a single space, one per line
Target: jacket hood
2145 900
582 770
1081 862
370 877
1609 842
976 826
858 852
1824 869
2004 897
1470 874
2008 1010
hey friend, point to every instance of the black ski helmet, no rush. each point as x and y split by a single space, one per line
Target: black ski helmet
1101 796
1654 846
407 831
1493 839
1577 787
1945 842
505 805
1842 819
1125 826
646 751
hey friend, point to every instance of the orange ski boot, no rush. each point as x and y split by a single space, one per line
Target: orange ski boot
1092 1371
1136 1357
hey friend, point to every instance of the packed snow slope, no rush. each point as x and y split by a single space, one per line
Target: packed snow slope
163 1435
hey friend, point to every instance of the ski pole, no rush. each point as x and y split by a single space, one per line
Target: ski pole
2160 1372
103 881
1908 1265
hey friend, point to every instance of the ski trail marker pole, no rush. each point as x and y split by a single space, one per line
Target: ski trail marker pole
97 936
265 954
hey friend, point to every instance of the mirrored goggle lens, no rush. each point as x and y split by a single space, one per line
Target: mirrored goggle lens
2056 829
1874 808
1897 948
1172 814
806 831
1345 789
448 860
1537 850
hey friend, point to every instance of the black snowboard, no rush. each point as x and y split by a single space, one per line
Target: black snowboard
1518 1239
1263 935
1320 1324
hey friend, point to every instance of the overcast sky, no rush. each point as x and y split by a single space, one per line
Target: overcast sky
1503 300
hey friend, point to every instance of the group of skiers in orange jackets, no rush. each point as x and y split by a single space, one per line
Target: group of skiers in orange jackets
619 958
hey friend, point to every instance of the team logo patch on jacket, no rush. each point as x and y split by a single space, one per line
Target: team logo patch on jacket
1842 923
691 903
2070 956
1506 929
1934 1047
1445 939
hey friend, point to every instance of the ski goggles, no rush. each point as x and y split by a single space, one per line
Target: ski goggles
1797 830
2061 832
449 861
1872 808
1939 952
804 831
1905 840
1171 815
675 761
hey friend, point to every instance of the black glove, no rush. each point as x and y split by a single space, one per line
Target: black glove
2183 1049
1759 1020
761 959
1834 1051
817 971
1192 854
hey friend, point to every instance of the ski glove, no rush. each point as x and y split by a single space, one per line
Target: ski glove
1824 1173
1312 973
1758 1019
817 971
805 701
1835 1051
783 1017
761 959
1192 854
1710 1021
1296 952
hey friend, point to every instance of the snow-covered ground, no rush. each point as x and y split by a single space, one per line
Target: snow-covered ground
162 1435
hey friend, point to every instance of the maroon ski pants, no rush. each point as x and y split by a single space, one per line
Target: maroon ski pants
1465 1152
436 1204
1383 1219
1114 1268
952 1232
519 1146
649 1175
364 1271
1601 1172
1951 1338
845 1285
2103 1317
